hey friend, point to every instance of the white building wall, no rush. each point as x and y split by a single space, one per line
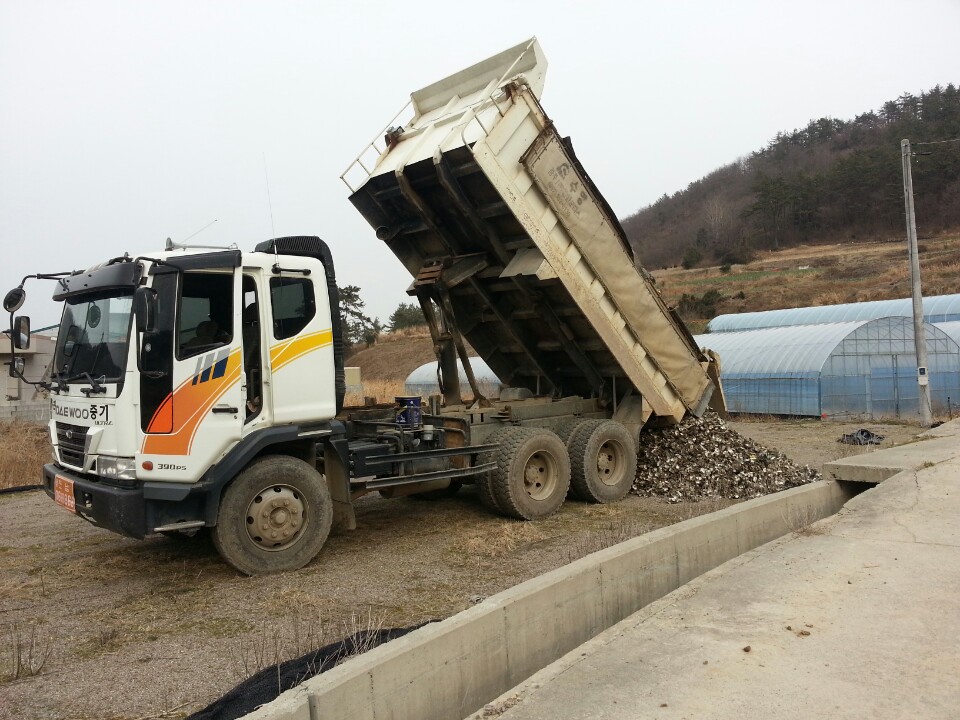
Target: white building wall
20 400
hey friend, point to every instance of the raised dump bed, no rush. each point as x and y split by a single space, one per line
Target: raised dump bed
512 245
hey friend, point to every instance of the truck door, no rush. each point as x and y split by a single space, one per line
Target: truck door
203 413
301 350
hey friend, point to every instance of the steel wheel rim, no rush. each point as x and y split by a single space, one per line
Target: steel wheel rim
540 475
276 517
611 462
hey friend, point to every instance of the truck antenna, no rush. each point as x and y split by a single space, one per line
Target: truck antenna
200 230
273 230
171 245
182 245
266 177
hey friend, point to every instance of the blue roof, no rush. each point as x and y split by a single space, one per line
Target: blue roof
936 309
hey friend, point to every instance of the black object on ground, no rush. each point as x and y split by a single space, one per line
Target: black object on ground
267 684
20 488
861 437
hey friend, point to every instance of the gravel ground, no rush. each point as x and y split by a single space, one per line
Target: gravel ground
160 628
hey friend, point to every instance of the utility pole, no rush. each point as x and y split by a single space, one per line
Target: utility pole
919 338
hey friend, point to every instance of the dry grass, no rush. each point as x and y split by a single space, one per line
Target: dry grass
383 391
24 448
273 642
24 651
417 331
804 521
615 532
756 418
850 272
298 633
498 540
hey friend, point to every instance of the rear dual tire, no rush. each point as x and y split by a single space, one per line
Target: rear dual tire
532 474
603 461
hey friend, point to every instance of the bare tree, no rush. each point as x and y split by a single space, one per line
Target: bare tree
717 216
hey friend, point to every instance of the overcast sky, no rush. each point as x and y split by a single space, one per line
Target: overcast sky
123 123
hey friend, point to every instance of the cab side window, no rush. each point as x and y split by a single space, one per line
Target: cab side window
293 305
206 313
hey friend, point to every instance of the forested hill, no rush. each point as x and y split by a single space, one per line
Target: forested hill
831 181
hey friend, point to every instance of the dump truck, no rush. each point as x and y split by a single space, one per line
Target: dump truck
200 387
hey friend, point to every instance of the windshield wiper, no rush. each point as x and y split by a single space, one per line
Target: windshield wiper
95 386
61 385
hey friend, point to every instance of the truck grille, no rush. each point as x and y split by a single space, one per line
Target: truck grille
72 442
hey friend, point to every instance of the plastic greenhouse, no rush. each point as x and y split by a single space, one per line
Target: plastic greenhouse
864 368
952 329
423 380
936 309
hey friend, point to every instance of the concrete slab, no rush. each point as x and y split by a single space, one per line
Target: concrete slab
939 445
855 616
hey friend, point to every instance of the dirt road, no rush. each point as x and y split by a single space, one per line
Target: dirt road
160 628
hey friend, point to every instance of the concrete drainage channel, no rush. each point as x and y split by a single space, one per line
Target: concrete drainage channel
452 668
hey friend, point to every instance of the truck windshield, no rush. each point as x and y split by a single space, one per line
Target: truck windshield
93 338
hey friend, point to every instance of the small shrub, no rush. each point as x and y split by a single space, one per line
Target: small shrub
704 306
725 268
736 255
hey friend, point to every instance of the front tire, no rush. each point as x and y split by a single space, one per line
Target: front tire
274 517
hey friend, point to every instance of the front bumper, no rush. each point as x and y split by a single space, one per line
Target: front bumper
126 510
122 510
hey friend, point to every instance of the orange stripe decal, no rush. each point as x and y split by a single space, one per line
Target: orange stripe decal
191 402
188 405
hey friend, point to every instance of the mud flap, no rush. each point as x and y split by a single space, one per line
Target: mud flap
337 474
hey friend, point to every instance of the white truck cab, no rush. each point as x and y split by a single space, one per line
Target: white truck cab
172 372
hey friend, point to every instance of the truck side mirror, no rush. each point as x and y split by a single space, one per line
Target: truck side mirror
145 309
14 299
17 366
21 332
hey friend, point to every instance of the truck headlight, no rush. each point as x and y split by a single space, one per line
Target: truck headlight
118 468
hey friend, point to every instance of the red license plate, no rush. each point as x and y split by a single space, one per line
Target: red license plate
63 493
